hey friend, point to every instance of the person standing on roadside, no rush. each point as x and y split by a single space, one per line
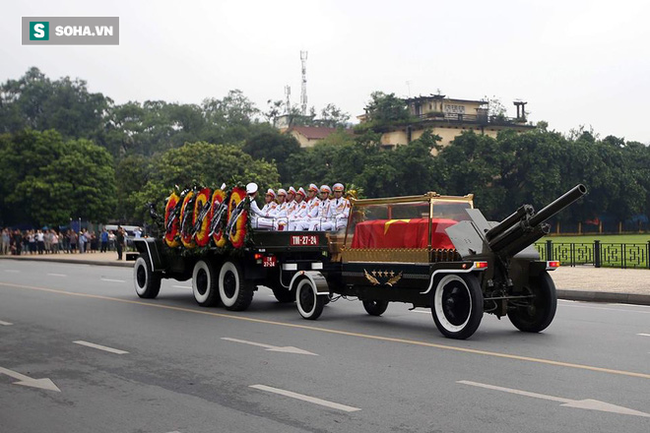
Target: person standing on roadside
104 240
6 241
119 241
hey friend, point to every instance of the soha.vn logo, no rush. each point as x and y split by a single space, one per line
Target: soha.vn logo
39 31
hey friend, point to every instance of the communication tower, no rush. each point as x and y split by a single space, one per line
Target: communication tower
287 93
303 93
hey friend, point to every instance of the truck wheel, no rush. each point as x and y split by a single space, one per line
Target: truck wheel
310 305
536 316
147 283
235 293
204 284
457 306
375 308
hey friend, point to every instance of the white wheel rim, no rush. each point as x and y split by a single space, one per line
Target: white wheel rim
201 266
438 304
299 289
140 263
228 267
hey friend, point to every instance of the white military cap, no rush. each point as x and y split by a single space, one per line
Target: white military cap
302 191
251 188
282 191
325 188
338 187
313 187
292 190
270 192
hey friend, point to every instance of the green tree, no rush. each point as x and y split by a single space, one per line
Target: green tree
48 180
274 147
201 164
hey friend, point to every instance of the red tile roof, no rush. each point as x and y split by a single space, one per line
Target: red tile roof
313 132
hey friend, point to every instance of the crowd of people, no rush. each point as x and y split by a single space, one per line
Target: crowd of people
51 241
321 208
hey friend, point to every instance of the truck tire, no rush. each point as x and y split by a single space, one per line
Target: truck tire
457 305
204 284
146 282
375 308
310 304
236 294
540 313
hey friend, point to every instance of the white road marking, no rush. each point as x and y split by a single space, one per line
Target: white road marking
286 349
110 280
306 398
643 335
23 380
421 311
182 287
589 404
631 310
57 275
5 323
104 348
13 271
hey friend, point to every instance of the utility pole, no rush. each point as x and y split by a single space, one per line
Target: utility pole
303 93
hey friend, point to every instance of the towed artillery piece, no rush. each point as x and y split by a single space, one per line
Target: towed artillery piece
439 252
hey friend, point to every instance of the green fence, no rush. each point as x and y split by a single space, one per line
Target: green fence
598 254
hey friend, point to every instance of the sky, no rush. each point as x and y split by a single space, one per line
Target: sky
577 63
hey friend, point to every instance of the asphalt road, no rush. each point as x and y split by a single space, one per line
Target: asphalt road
191 369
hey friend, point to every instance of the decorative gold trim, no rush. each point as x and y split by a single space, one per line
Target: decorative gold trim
408 255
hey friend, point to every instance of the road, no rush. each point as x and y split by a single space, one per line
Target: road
121 364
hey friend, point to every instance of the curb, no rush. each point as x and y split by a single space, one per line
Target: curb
123 263
607 297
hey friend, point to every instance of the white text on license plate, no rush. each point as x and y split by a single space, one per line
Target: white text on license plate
304 240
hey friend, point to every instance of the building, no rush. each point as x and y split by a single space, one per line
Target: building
448 117
307 136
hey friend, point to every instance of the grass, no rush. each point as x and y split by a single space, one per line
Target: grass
642 238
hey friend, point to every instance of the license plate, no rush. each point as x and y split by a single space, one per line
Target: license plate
302 240
269 262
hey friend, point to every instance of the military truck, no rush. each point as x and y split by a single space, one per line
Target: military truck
207 237
438 252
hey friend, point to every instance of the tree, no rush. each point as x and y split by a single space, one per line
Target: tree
272 146
36 102
386 109
201 164
333 117
48 180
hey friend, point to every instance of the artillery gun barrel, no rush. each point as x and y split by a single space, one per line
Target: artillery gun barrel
513 219
529 228
557 205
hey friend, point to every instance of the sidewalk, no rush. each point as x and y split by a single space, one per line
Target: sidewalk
583 283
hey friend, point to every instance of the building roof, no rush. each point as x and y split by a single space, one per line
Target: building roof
313 132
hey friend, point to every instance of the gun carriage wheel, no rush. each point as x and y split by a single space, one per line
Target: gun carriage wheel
538 314
457 305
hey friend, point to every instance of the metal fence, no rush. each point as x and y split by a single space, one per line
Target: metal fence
598 254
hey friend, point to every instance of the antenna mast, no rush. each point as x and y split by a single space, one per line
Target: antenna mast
303 93
287 93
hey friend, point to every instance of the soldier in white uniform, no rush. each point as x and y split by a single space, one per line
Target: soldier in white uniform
280 213
299 215
270 203
313 205
321 215
259 219
339 208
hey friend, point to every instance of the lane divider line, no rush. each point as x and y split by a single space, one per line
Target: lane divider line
100 347
110 280
339 332
57 275
306 398
5 323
